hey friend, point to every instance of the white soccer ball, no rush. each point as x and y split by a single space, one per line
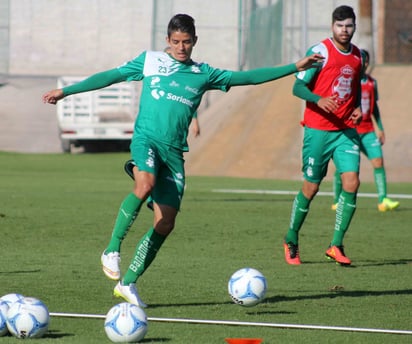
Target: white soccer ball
28 318
4 307
125 323
5 302
11 298
247 287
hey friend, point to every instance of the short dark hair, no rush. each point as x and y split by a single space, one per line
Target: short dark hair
183 23
342 13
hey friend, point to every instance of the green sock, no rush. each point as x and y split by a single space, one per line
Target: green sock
300 209
337 186
380 181
344 213
127 214
145 253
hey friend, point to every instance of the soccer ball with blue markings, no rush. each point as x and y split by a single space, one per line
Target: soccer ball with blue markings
11 298
247 287
125 323
5 302
28 318
4 307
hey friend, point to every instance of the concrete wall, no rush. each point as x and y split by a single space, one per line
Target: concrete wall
56 37
77 37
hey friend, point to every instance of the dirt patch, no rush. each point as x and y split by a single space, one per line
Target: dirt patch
254 131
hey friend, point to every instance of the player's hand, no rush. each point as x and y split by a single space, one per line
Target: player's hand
53 96
381 137
328 104
356 116
312 61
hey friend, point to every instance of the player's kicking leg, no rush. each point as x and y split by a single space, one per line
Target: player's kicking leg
128 167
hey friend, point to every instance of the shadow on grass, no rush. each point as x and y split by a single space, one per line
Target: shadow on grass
57 334
339 293
326 261
49 334
281 298
194 304
385 262
261 200
362 263
19 272
270 312
53 334
155 340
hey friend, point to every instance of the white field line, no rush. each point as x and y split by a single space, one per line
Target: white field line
320 193
244 323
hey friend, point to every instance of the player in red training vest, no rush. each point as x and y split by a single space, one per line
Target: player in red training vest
371 141
332 95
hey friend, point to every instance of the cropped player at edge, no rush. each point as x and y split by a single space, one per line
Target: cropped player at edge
332 95
173 86
371 141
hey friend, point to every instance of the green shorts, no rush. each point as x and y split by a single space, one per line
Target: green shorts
371 146
320 146
166 164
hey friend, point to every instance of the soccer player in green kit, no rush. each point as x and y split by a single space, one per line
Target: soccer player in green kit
173 85
332 95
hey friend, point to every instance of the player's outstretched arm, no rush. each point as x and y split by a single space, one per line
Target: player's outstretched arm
93 82
311 61
261 75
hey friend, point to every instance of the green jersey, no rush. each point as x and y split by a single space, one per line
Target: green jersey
171 94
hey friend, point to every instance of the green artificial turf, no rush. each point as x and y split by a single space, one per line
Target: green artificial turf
56 217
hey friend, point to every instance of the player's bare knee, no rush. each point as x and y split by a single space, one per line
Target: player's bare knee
351 185
377 163
142 189
350 181
310 189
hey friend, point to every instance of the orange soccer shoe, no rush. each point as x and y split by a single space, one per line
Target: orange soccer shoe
337 254
291 253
